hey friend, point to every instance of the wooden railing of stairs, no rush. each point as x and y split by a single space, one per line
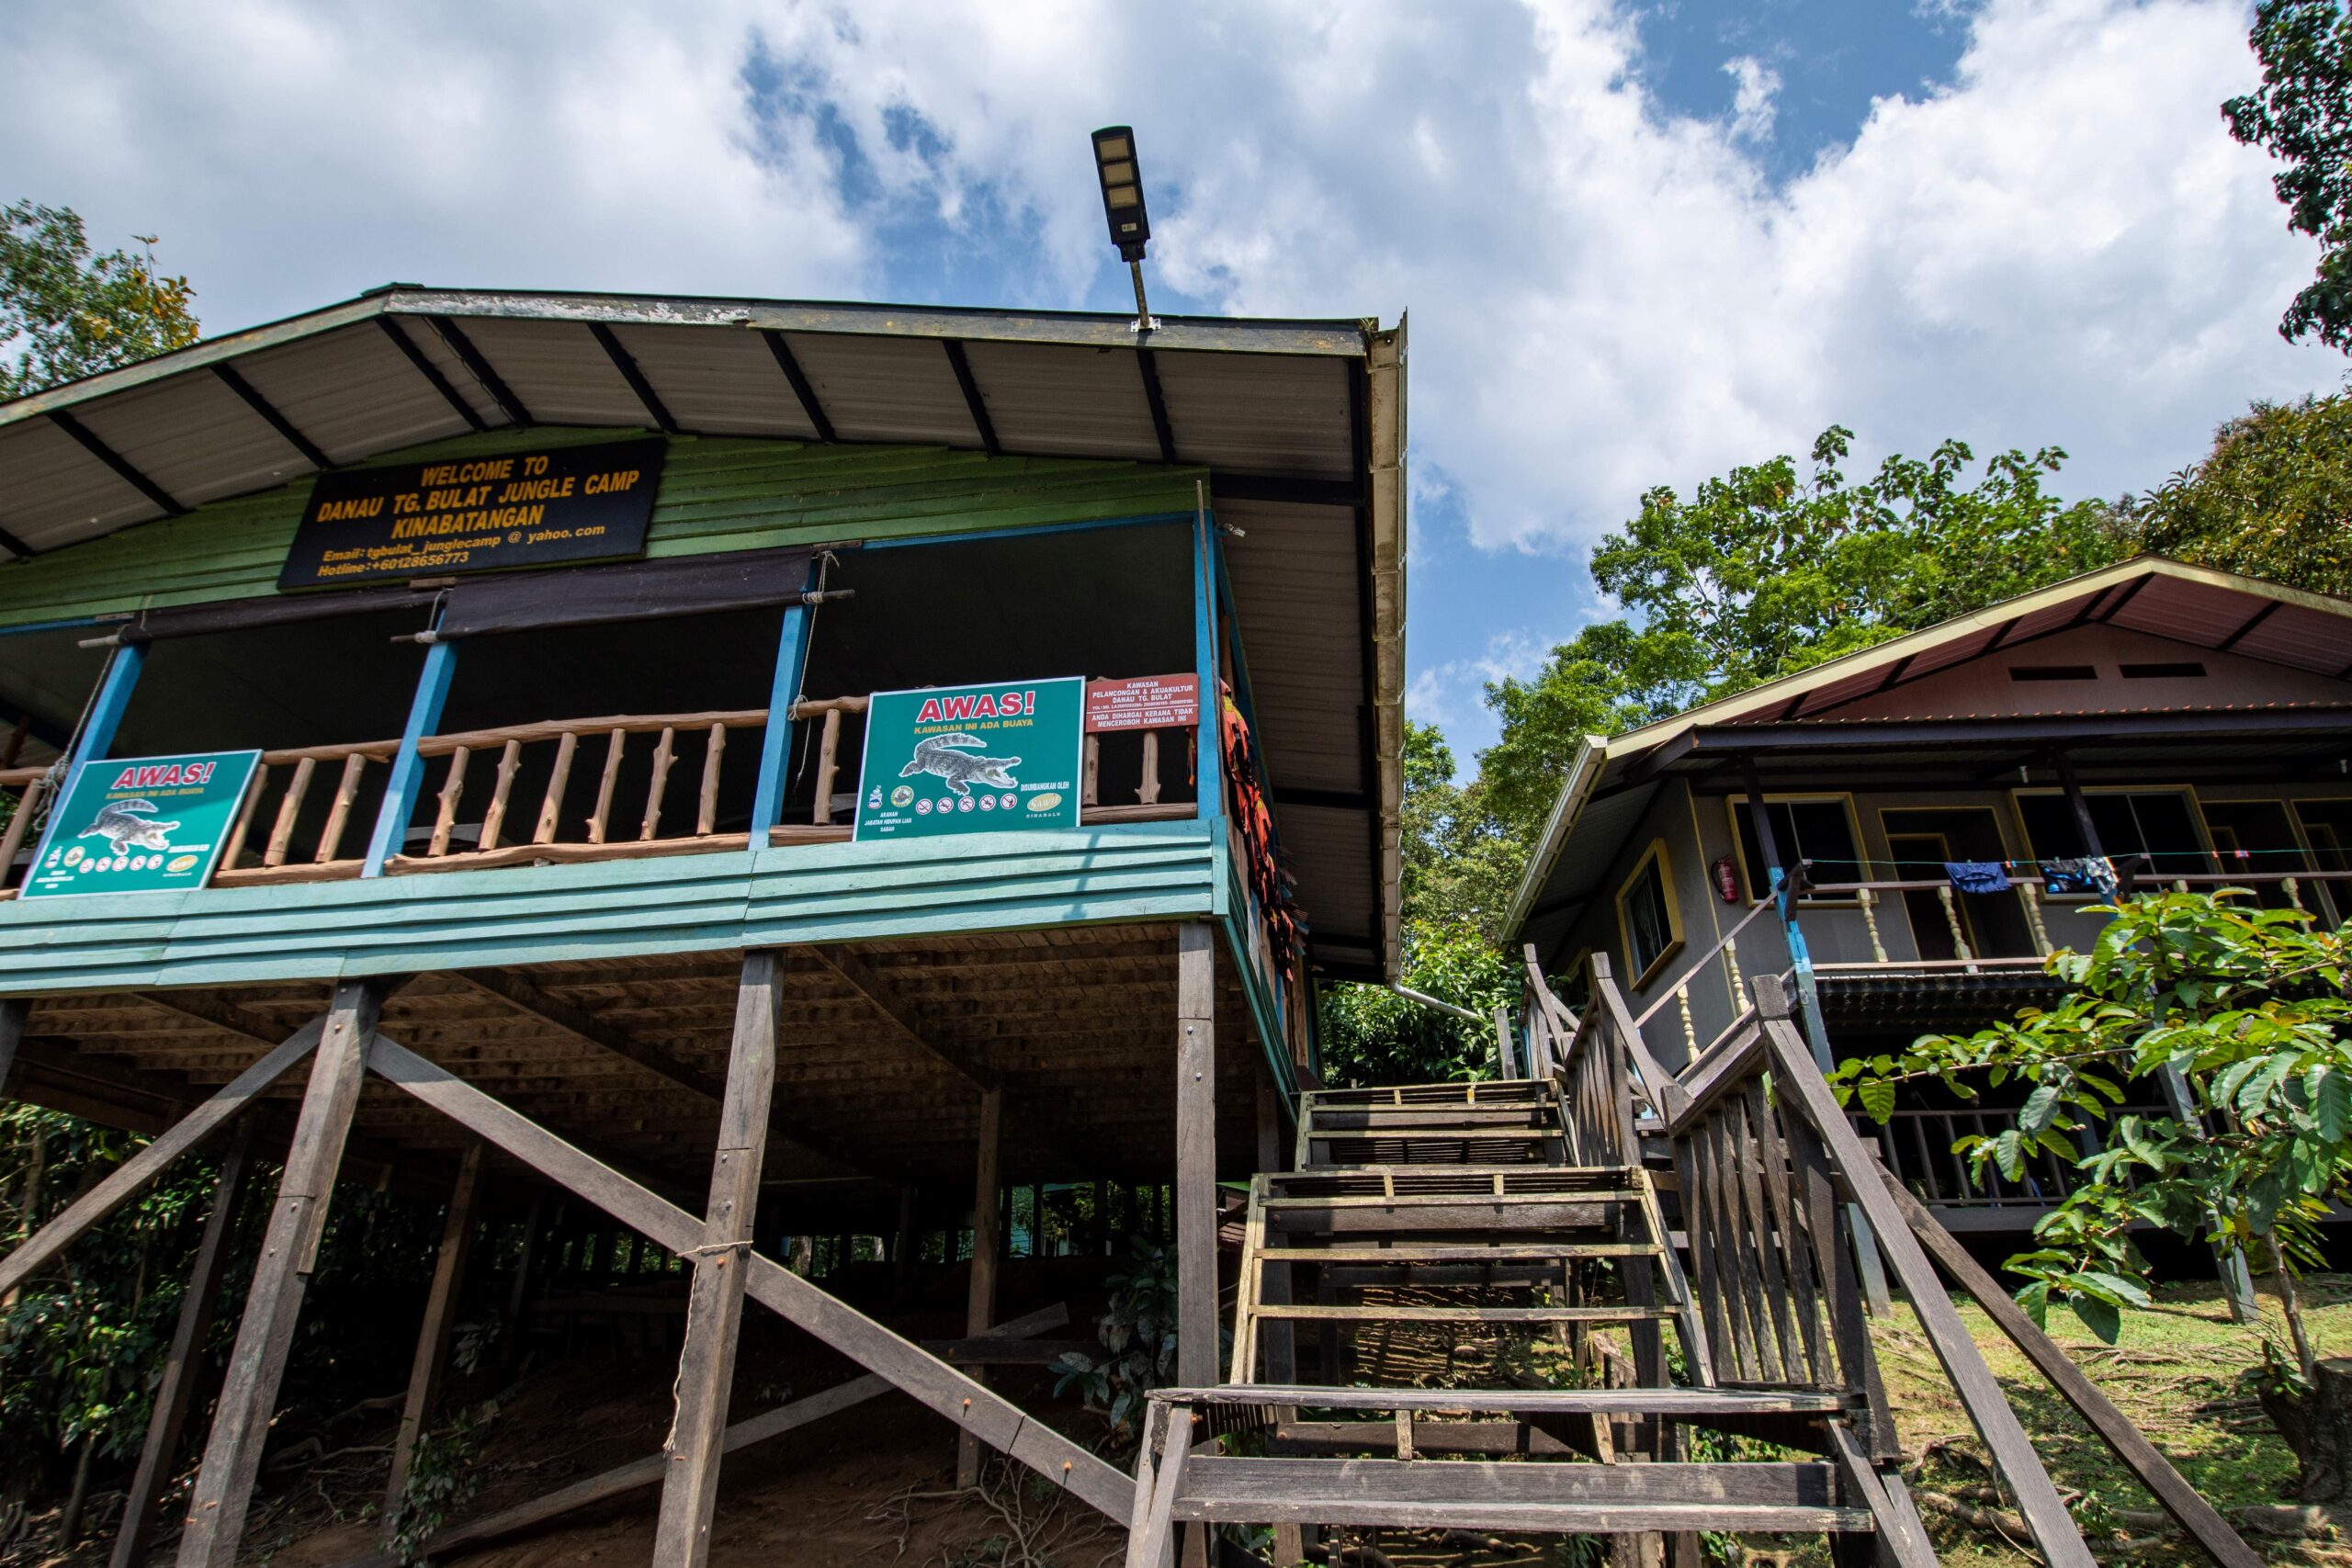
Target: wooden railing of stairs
1428 1326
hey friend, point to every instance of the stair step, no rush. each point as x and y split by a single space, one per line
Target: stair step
1463 1312
1464 1252
1345 1118
1538 1401
1484 1199
1545 1496
1497 1091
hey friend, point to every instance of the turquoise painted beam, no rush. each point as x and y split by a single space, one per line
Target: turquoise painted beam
408 768
775 741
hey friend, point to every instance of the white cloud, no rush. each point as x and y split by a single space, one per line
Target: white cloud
1451 694
2063 246
1754 86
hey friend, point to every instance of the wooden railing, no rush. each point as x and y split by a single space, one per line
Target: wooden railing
22 790
1773 1180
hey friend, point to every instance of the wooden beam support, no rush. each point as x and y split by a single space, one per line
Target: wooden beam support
184 1360
224 1486
223 1016
440 1319
860 977
2200 1518
525 997
715 1299
935 1385
988 1246
1196 1215
142 1168
639 1475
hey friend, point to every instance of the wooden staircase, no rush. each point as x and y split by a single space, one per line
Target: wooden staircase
1451 1316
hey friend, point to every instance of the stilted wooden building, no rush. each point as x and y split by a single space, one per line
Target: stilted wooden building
460 721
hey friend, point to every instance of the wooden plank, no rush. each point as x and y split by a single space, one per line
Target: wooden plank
1547 1401
1776 1331
715 1297
1900 1536
987 1247
936 1385
1488 1440
184 1358
1772 1158
1195 1190
440 1320
2172 1490
1150 1536
226 1017
128 1177
859 975
2037 1499
241 1421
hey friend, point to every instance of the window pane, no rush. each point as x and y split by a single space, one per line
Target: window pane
2329 823
2050 829
1802 830
1648 933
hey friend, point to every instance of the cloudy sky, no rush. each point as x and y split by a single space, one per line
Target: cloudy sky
1640 239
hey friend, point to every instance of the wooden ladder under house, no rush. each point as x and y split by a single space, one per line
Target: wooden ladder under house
1604 1300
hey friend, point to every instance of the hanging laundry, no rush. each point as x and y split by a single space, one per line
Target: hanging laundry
1977 875
2079 874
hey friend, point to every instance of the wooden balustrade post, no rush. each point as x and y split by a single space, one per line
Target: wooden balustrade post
20 823
282 832
1090 770
558 779
2031 894
493 821
666 752
1868 901
346 790
828 761
1147 792
706 806
224 1486
615 743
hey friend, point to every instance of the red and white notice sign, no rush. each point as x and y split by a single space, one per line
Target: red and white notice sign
1148 702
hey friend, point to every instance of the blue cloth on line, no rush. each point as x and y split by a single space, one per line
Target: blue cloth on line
2079 874
1977 875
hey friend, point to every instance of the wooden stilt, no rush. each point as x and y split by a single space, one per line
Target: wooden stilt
715 1302
440 1317
979 1310
518 1299
184 1361
1196 1155
13 1012
902 1246
1196 1191
290 1251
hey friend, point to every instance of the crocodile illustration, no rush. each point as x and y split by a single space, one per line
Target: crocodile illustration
129 825
959 759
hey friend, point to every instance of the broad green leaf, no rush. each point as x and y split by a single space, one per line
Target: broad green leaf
2102 1318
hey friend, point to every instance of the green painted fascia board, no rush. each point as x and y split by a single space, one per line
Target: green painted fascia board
605 909
716 495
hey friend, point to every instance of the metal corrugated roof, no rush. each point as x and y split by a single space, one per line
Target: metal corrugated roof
2196 607
1306 416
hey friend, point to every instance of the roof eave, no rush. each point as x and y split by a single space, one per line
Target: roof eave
1584 771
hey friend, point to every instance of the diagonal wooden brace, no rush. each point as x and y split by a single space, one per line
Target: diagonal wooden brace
933 1382
142 1168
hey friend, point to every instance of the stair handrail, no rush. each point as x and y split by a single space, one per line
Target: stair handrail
1667 990
1799 1088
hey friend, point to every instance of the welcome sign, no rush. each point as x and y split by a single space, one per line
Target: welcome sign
555 506
140 824
957 760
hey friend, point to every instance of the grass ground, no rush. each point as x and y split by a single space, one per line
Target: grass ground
2180 1371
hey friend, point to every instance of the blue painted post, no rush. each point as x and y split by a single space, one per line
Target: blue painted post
775 741
408 768
114 696
1212 731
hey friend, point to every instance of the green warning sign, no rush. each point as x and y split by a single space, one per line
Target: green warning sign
140 824
972 759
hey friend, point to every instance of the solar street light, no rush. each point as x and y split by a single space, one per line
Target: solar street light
1123 205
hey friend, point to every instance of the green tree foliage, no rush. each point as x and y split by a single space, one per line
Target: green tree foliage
1372 1035
1765 571
1458 866
2250 1005
2303 116
2273 499
65 312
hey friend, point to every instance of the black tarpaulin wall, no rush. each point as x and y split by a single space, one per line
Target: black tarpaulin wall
638 591
199 620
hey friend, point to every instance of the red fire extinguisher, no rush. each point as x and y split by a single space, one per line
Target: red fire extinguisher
1727 880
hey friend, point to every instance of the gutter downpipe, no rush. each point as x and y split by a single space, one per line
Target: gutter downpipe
1427 1001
